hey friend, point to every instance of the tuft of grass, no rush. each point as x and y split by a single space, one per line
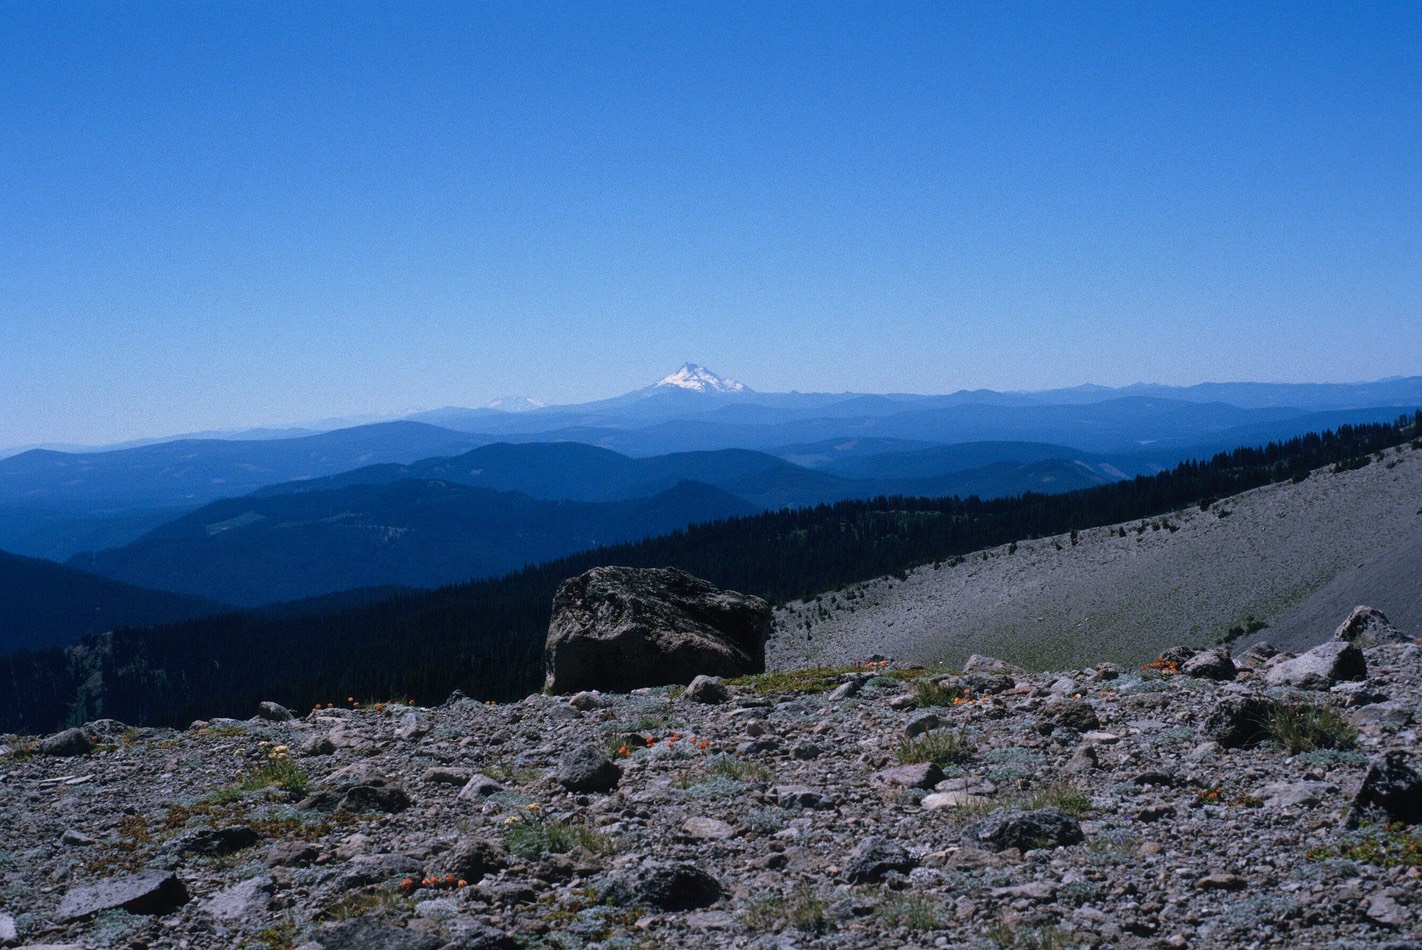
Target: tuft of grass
804 909
279 773
279 936
1006 936
223 730
731 767
365 902
538 836
941 746
1308 727
927 693
912 911
1111 847
510 774
1063 795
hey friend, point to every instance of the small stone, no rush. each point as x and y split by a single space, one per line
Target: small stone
1025 830
708 689
665 885
1221 881
274 712
1320 668
800 796
1240 721
241 901
588 700
875 858
1383 910
444 775
1213 664
1391 791
919 725
69 742
148 892
844 690
707 829
479 786
585 769
915 775
76 839
1366 626
1073 714
938 801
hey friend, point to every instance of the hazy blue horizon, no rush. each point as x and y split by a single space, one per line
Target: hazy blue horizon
225 216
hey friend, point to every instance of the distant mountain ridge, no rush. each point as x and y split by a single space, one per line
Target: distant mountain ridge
56 504
53 504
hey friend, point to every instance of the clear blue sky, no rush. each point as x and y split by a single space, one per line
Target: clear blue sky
221 214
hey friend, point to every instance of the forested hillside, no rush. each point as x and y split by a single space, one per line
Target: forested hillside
486 638
43 604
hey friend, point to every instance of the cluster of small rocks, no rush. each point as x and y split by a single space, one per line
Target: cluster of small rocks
1097 808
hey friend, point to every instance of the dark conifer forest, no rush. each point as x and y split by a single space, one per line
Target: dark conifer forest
486 638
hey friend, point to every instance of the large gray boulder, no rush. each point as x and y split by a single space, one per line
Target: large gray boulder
1324 666
620 628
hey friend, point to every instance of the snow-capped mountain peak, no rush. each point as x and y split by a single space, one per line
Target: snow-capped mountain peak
515 404
699 379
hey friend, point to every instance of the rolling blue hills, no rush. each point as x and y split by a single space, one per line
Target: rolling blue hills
415 533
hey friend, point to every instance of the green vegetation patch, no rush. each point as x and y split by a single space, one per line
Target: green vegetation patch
812 679
916 912
804 909
1383 846
1310 727
942 747
535 834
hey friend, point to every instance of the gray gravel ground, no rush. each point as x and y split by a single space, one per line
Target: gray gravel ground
778 819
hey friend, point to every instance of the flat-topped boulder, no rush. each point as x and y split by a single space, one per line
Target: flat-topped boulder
621 628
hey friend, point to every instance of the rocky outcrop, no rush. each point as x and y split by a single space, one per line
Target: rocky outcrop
620 628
